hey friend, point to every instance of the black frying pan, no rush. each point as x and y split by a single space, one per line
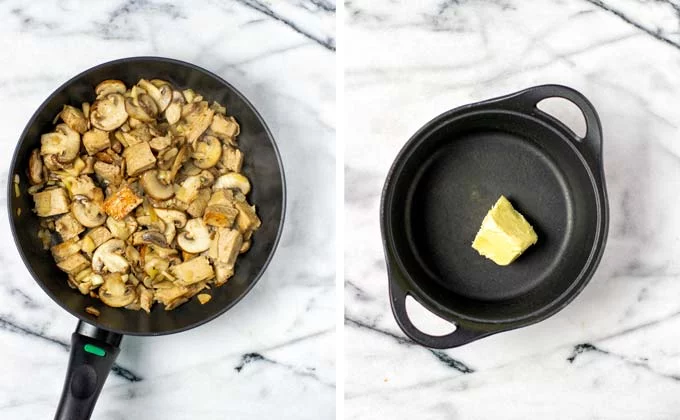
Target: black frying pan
96 340
448 176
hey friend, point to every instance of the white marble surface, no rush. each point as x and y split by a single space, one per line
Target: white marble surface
271 356
614 353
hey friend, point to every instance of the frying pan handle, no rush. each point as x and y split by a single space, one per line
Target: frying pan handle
93 352
528 99
462 335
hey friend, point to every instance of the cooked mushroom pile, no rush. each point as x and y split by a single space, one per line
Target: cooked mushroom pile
141 195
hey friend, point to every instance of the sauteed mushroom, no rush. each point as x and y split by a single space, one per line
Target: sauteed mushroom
145 190
108 113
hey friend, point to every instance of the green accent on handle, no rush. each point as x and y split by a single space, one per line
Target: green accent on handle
97 351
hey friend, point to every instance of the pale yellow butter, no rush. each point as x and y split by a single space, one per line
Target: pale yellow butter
505 234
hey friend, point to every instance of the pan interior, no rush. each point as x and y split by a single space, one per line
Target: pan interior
450 182
261 165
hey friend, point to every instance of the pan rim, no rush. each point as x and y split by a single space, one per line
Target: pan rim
547 308
175 62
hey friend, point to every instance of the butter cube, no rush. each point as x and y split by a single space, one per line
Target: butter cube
505 234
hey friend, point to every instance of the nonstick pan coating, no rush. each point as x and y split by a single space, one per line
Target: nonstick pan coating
262 165
448 177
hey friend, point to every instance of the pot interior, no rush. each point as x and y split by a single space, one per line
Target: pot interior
447 183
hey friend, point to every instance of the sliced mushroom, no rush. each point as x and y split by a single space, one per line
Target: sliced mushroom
154 187
35 168
82 185
173 219
162 95
233 180
87 212
115 292
149 237
195 238
181 157
176 217
174 110
108 112
153 223
109 256
109 86
141 107
208 152
64 143
74 118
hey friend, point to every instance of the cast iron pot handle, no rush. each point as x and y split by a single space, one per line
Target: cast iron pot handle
527 100
93 352
457 338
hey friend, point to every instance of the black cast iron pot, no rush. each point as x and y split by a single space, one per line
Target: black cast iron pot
448 176
96 340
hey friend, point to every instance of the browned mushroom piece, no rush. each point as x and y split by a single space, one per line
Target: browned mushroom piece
109 86
35 168
116 293
174 110
108 112
149 237
234 181
109 257
141 107
181 157
64 143
82 185
88 213
154 187
208 152
162 95
74 118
